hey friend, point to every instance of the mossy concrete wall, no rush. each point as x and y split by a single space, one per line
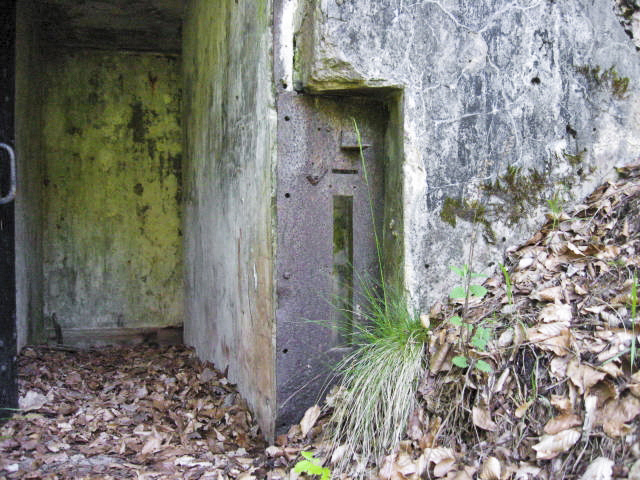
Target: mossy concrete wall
489 87
28 203
112 147
228 182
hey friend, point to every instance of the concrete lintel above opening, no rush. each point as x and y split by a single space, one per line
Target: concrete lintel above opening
139 25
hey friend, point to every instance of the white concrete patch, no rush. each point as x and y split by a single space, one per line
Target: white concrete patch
476 54
635 26
287 32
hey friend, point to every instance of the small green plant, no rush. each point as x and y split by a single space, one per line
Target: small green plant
533 379
481 338
468 289
555 205
312 466
507 281
481 335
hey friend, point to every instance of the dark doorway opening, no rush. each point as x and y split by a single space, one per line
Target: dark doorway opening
98 93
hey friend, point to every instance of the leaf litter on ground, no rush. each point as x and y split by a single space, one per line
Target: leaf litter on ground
562 397
144 412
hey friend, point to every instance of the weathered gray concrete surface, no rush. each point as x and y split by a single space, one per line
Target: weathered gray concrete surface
487 86
140 25
228 180
112 146
29 279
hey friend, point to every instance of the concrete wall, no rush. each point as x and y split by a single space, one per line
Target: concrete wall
28 203
229 149
112 189
513 92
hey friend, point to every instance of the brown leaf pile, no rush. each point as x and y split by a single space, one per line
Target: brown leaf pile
144 412
562 399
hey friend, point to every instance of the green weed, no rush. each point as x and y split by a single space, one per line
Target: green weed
533 379
507 281
468 289
481 335
555 205
312 466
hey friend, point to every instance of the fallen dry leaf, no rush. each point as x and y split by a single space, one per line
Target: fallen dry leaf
555 337
562 422
522 409
551 446
309 419
604 391
527 471
338 453
558 367
600 469
583 376
436 455
550 294
556 312
563 404
577 251
443 467
491 469
32 400
616 413
482 419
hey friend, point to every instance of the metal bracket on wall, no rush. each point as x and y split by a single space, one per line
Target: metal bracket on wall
349 141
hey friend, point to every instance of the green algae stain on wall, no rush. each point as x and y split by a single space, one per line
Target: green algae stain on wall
113 154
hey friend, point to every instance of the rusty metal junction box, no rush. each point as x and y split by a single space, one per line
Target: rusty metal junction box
329 198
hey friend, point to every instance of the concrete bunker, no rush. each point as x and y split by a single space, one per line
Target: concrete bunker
162 180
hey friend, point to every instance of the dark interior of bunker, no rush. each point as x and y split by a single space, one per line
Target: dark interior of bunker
99 143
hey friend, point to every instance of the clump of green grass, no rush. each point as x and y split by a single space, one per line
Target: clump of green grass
379 379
